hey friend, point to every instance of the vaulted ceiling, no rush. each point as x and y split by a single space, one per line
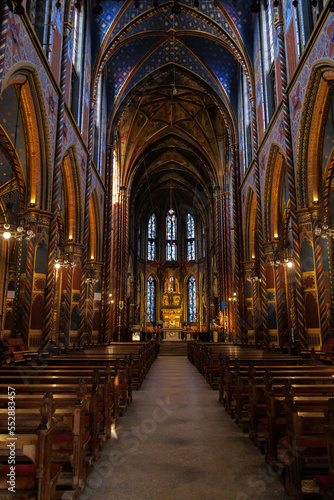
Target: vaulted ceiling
172 90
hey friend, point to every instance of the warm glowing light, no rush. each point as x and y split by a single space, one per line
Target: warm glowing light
276 236
315 199
253 257
290 264
6 235
235 294
57 265
92 257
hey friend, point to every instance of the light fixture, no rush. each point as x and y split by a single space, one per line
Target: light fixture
10 229
285 262
65 262
254 277
90 277
323 231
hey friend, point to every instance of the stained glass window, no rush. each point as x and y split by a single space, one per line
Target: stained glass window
150 299
192 300
151 238
171 232
190 237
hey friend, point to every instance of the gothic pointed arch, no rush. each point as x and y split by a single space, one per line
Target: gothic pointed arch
36 135
95 229
274 202
311 177
72 195
251 239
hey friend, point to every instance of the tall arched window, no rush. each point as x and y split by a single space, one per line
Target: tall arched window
192 313
151 235
268 58
190 238
77 51
151 300
171 235
98 129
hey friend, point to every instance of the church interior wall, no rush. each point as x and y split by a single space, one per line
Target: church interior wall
100 233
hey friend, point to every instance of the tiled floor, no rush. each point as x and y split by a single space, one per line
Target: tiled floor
176 442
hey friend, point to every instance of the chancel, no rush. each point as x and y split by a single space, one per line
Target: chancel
166 228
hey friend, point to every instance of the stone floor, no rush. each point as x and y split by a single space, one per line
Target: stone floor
176 442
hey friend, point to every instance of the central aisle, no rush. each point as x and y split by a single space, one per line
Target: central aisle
176 442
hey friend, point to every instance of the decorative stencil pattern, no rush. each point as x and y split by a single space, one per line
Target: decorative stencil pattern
222 62
18 48
121 64
323 48
164 55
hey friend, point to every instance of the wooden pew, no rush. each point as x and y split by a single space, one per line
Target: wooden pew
304 449
230 369
304 385
34 474
100 408
64 375
275 421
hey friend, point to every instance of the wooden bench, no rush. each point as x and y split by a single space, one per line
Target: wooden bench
71 438
34 474
304 448
101 393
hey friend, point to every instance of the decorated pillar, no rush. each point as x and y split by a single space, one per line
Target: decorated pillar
107 290
226 259
83 334
28 282
237 237
251 294
125 253
56 191
4 13
281 302
323 266
120 261
300 333
218 241
261 316
72 252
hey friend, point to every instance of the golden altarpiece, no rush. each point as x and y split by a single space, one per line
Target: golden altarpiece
171 308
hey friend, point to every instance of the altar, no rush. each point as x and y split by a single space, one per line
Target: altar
171 334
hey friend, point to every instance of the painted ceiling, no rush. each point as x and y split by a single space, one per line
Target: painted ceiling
210 41
172 88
